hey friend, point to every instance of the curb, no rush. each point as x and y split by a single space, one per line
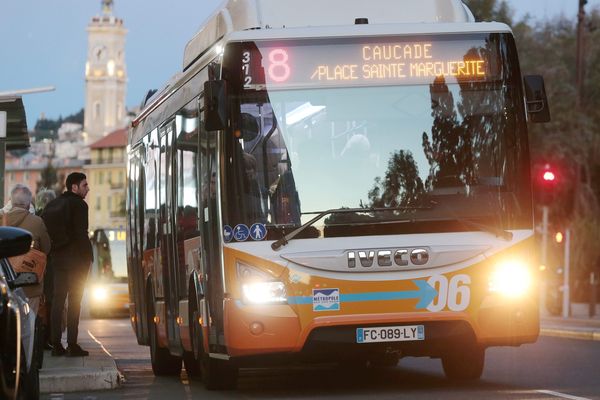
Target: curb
80 379
571 334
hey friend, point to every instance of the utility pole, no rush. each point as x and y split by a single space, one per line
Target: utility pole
566 309
579 64
544 260
3 129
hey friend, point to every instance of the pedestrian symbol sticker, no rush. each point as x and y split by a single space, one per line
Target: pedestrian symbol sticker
227 233
258 231
241 233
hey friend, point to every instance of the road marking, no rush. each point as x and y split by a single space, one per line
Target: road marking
101 345
561 395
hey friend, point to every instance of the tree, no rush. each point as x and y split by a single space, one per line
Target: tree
401 186
48 178
491 10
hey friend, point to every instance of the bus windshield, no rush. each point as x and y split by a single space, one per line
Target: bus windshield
433 130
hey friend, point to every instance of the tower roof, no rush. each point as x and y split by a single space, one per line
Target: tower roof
107 6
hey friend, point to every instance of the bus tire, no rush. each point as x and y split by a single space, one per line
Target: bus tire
191 359
465 365
218 374
163 363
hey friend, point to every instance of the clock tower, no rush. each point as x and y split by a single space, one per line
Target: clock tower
105 75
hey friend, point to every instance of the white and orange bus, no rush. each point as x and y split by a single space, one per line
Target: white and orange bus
335 181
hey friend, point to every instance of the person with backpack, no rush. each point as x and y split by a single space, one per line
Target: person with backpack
21 217
66 218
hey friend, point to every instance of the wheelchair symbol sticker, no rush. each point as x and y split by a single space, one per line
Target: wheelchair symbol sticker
258 231
241 232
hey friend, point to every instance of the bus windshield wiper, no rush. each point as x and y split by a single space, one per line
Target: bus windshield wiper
320 214
494 230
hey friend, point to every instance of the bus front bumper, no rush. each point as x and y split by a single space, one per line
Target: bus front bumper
254 330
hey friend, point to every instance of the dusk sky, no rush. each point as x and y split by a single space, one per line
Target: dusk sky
44 43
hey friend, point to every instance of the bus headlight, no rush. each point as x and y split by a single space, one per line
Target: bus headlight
99 293
264 292
259 287
510 278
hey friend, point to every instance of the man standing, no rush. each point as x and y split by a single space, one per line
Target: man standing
67 220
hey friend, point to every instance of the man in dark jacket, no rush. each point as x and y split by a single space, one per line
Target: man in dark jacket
72 255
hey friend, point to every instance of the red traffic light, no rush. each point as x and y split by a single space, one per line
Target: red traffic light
549 176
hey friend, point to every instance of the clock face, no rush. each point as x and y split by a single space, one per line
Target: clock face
99 53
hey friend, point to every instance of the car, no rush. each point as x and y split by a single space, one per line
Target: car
19 365
107 290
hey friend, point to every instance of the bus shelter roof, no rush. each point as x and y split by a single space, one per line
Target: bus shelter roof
16 123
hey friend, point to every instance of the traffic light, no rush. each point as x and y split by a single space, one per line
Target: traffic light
558 237
546 181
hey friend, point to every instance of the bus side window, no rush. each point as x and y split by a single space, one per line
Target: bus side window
150 194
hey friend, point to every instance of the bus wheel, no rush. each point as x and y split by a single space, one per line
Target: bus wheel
218 374
191 359
465 365
163 363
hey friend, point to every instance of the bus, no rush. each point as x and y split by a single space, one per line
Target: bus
334 181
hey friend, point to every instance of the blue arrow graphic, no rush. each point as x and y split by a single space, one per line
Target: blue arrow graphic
425 293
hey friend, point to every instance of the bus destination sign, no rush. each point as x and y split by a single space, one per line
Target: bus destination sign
309 64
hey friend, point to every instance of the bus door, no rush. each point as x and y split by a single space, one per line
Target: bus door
211 257
166 234
135 242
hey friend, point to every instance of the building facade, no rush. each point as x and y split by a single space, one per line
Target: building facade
106 175
105 75
28 171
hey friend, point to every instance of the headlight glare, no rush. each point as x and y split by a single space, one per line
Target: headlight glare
99 293
510 278
260 287
264 292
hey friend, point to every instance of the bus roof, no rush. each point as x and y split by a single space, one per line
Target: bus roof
239 15
308 32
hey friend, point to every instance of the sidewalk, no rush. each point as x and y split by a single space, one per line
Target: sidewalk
98 371
578 326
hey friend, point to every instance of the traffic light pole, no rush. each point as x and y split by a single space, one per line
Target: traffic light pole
566 309
579 63
3 128
544 236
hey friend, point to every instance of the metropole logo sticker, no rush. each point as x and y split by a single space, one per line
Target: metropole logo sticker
326 299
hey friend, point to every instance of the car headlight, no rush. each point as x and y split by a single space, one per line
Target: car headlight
510 278
258 287
99 293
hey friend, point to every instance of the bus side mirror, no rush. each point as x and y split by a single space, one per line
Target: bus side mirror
537 102
215 105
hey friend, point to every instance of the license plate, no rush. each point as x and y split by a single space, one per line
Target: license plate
390 334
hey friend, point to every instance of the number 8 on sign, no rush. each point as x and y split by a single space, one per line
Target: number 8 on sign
279 70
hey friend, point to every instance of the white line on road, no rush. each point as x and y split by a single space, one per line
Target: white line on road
101 345
561 395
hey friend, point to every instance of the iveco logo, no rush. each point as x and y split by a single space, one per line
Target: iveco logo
387 258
